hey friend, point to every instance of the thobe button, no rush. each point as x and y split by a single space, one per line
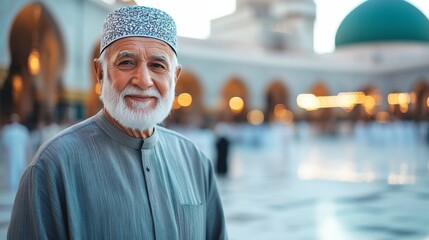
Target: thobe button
147 169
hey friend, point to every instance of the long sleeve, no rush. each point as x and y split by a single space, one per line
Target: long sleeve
37 212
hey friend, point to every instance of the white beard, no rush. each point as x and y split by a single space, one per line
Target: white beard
141 117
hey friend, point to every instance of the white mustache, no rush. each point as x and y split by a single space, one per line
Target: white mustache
146 92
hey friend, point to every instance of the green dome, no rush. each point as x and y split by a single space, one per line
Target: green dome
383 20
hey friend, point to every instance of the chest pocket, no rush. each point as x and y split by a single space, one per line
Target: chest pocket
192 221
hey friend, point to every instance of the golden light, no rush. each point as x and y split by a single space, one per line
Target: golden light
403 108
184 99
345 100
404 98
255 117
399 98
176 104
348 100
392 98
279 110
427 102
360 97
97 89
287 117
34 62
307 101
369 104
282 114
327 101
236 104
17 83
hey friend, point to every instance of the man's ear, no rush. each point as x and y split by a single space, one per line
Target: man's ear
178 71
98 68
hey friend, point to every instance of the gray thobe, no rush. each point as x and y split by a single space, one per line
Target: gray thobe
93 181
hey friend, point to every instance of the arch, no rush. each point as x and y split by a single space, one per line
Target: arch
33 86
193 114
319 89
234 87
276 94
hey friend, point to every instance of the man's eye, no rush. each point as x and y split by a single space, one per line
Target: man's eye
157 65
126 63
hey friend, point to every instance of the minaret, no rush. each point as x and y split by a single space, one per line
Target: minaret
273 24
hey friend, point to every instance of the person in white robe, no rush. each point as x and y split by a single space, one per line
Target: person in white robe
15 141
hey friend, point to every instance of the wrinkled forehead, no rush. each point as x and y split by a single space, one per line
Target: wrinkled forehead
140 47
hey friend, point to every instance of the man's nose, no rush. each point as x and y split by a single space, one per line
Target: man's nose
143 77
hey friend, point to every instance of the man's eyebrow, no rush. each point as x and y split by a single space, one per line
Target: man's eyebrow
160 58
125 54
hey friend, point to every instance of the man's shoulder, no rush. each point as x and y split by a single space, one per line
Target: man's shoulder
76 130
176 140
72 135
173 135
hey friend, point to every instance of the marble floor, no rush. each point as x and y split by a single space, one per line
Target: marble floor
318 188
328 188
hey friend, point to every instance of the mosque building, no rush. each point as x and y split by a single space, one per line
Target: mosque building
258 65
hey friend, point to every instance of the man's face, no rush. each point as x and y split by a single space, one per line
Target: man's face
139 77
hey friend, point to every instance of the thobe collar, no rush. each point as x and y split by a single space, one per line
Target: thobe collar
123 138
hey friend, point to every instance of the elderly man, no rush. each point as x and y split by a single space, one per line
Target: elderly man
118 175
